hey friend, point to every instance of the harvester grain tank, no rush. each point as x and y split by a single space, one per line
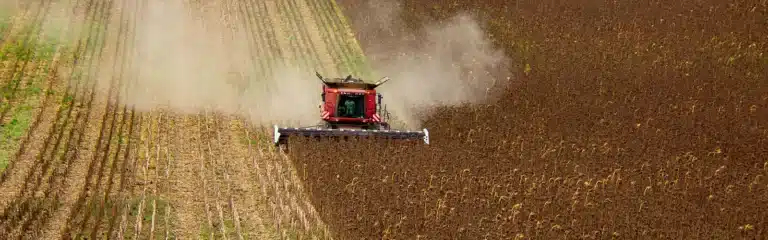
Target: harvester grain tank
349 107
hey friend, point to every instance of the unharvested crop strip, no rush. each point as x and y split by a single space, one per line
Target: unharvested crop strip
126 186
126 179
270 38
268 41
327 36
81 199
126 86
306 40
106 151
11 38
21 62
6 33
254 47
340 27
301 51
285 26
31 174
352 44
117 83
40 213
57 174
27 138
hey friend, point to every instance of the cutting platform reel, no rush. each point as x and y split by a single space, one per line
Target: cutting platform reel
281 135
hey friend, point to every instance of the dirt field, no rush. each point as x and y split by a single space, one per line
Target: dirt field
628 120
549 120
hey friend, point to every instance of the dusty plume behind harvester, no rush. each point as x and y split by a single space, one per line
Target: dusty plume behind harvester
441 64
189 60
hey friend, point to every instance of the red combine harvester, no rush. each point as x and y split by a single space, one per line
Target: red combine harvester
350 107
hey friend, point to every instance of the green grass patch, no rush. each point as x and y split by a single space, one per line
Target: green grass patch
22 103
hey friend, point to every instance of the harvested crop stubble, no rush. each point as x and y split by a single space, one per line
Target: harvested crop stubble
628 119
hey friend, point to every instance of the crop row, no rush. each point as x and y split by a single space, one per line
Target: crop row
624 120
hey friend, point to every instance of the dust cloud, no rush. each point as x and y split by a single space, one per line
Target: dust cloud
60 22
446 64
191 58
9 7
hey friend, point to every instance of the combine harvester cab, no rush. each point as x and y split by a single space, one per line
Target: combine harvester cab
349 108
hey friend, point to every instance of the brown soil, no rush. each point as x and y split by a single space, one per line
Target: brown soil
123 155
633 120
